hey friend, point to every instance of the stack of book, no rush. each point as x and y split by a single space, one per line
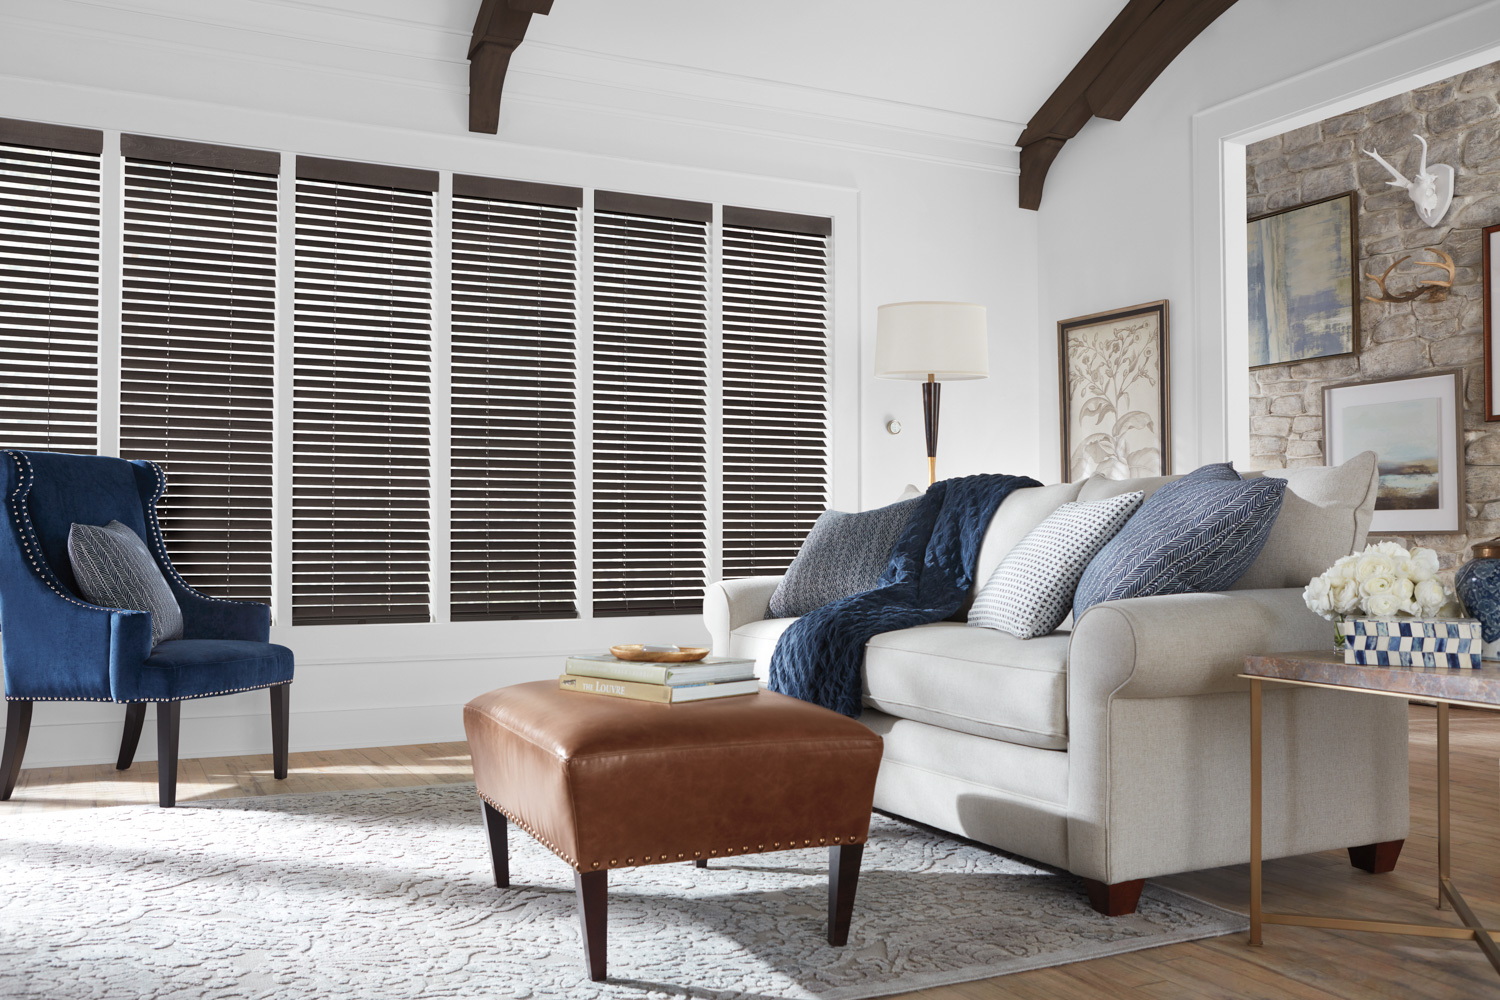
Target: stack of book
668 683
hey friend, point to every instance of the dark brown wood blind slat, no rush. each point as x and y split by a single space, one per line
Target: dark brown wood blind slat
650 506
528 196
779 222
651 209
775 447
361 397
49 288
317 168
515 276
198 316
63 138
200 154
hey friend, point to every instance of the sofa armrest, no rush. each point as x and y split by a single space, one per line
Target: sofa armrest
729 604
1184 644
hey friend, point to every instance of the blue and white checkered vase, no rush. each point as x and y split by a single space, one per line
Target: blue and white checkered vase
1413 642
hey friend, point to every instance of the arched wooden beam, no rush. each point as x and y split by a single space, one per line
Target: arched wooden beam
1138 45
499 28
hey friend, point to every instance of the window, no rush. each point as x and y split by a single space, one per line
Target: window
650 404
775 293
197 351
49 287
514 396
360 441
182 302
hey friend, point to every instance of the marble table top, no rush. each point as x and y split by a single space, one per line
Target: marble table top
1479 687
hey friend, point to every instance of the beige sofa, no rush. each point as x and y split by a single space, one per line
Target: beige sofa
1118 748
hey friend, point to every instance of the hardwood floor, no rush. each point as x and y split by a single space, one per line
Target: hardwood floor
1295 962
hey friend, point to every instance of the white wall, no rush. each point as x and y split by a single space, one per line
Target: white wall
1153 207
924 207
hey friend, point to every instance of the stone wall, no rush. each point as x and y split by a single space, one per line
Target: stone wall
1460 118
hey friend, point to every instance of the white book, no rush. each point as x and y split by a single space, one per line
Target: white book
710 670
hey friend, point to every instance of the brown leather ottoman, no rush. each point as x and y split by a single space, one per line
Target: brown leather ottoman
607 783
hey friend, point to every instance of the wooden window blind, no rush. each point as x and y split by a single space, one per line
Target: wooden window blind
362 360
49 287
197 346
649 413
775 365
514 392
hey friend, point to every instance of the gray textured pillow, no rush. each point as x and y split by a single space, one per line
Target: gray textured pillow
1031 591
115 570
843 555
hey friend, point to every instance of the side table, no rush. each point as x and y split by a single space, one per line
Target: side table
1478 688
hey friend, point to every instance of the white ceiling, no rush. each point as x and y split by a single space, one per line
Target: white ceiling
997 59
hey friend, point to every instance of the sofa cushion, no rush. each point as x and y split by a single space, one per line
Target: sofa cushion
757 641
972 680
1197 535
1031 591
1325 515
1018 515
843 555
1097 487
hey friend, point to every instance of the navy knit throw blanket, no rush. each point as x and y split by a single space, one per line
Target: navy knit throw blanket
819 658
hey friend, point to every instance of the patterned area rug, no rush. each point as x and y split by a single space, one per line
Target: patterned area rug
389 895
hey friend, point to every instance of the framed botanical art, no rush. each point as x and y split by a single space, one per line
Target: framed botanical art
1116 417
1304 293
1491 243
1414 425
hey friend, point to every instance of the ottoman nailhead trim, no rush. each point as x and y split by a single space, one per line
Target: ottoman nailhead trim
596 864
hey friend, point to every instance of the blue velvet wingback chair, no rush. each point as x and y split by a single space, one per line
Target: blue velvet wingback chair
59 647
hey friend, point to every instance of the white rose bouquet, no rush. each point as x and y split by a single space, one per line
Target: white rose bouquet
1382 581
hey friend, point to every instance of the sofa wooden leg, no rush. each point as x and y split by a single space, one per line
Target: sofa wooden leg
281 700
17 728
843 880
1117 900
135 719
497 828
1377 859
592 889
168 725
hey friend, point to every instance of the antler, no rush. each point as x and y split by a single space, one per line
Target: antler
1400 181
1422 172
1435 289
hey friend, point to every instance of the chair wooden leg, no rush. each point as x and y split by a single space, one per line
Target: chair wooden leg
592 888
1377 859
281 698
17 728
168 724
843 879
1117 900
135 719
496 826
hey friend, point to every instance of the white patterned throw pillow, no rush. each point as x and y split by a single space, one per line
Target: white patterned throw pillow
1031 591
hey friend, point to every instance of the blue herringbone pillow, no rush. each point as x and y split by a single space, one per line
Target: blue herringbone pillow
1196 535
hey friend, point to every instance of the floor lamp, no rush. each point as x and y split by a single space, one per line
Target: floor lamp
931 342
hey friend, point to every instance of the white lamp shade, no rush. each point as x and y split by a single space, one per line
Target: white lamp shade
943 339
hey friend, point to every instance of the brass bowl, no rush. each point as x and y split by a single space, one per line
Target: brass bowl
685 654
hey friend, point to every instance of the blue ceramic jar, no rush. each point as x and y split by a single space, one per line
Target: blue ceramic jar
1478 586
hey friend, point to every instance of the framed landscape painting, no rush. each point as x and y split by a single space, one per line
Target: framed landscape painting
1304 294
1414 425
1116 419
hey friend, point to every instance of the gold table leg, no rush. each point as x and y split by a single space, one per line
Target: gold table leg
1255 813
1444 833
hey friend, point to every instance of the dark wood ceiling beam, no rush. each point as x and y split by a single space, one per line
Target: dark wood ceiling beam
499 28
1128 56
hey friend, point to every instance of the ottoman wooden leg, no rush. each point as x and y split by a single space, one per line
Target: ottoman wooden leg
495 825
701 863
591 888
843 879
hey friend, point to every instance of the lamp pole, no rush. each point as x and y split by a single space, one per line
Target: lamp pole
932 391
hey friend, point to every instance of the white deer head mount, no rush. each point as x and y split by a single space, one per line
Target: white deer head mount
1431 190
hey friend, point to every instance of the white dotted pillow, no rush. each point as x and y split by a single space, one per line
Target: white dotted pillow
1031 591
